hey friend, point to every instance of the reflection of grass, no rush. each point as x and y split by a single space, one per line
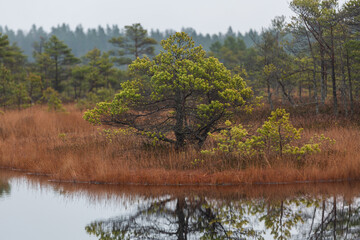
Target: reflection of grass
68 148
4 188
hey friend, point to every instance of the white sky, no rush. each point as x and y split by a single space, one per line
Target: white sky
205 16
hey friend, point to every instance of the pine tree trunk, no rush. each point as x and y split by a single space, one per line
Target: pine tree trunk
343 86
315 90
179 118
323 76
350 83
333 74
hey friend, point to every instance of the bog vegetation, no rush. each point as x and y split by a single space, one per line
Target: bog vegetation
167 108
64 146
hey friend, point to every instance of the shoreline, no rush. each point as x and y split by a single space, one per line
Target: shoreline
200 184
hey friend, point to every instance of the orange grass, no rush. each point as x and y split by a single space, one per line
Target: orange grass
67 148
271 192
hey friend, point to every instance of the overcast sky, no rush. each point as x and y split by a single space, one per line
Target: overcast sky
205 16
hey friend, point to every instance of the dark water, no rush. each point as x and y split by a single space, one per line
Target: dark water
34 208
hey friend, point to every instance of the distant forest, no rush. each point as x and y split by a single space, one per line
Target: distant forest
83 40
309 60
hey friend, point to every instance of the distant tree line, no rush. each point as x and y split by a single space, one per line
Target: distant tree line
82 40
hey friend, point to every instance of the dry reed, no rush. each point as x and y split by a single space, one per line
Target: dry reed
67 148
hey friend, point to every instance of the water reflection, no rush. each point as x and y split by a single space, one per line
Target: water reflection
182 217
5 188
85 211
173 218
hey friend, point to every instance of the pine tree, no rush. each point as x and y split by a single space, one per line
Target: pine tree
61 57
134 44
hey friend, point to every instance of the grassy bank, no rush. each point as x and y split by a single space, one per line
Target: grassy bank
66 147
272 192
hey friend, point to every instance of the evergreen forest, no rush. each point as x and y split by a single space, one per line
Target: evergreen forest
309 60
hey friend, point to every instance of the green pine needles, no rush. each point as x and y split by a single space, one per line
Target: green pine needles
53 101
179 96
276 138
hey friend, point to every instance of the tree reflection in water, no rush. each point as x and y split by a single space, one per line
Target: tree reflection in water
204 218
5 188
176 218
